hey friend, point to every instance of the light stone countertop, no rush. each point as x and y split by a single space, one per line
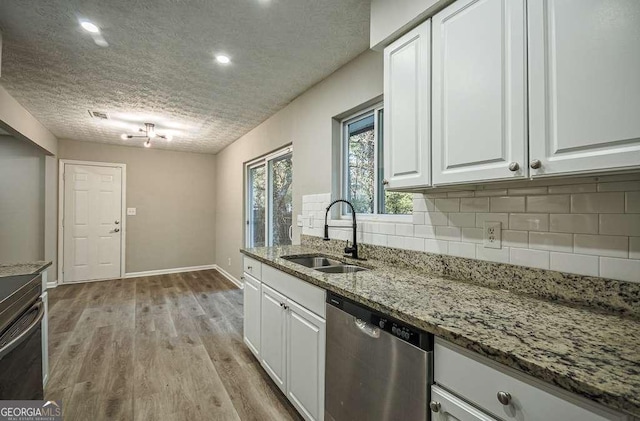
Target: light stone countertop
23 268
582 350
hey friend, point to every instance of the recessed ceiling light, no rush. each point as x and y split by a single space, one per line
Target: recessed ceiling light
222 59
89 27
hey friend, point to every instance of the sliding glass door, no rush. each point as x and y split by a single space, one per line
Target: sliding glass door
269 200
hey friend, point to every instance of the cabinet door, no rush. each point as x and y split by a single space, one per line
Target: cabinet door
273 335
451 408
479 92
406 110
305 361
252 314
584 85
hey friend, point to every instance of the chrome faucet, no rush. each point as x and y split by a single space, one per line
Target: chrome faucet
353 250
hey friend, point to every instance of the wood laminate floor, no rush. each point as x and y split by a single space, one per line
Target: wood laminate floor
165 347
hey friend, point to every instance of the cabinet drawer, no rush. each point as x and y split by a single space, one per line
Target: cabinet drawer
252 267
478 380
303 293
448 407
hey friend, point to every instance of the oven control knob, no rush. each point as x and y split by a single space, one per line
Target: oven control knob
381 324
394 330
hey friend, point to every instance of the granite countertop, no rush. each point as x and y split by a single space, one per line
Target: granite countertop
23 268
584 351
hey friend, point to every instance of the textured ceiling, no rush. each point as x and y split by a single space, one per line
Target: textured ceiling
159 65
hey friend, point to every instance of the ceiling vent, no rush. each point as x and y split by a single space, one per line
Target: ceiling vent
99 115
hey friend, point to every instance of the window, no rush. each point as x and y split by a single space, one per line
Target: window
269 203
363 167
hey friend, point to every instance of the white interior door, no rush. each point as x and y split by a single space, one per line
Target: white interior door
92 222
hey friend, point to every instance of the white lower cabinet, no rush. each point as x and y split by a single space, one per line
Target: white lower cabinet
305 361
273 335
284 326
448 407
503 392
251 322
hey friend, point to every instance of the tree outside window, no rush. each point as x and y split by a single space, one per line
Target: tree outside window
364 170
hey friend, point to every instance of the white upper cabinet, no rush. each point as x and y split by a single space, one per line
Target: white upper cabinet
479 92
584 85
406 110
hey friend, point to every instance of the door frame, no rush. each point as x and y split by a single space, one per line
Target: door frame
123 211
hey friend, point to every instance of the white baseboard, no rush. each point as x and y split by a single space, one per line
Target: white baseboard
167 271
230 277
52 284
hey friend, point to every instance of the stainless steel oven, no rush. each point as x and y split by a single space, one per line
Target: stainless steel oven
21 313
377 368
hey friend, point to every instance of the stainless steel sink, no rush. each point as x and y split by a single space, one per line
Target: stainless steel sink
342 268
323 264
312 261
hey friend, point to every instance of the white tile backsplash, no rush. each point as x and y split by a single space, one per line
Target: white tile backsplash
597 203
588 226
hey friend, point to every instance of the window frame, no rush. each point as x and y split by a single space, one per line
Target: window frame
262 161
344 168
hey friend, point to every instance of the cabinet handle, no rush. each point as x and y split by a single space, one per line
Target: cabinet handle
504 398
435 406
250 267
514 166
385 182
535 164
281 304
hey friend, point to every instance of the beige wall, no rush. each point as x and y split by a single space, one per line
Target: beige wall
18 121
307 122
174 193
22 186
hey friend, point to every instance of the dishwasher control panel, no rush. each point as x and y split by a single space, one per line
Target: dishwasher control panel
398 329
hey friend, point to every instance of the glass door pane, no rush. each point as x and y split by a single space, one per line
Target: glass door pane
256 207
280 200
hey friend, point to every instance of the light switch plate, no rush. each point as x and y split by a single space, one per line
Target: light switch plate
492 235
299 221
131 211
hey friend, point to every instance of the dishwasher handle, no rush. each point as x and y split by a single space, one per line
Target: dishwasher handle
367 328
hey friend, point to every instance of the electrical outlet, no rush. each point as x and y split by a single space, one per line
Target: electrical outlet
131 211
492 235
229 263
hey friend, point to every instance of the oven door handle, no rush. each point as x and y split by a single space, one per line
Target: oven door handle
33 326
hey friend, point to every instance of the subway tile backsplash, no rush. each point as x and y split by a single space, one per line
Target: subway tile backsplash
587 226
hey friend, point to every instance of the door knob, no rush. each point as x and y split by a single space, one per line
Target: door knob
504 398
116 230
514 166
385 182
535 164
435 406
117 222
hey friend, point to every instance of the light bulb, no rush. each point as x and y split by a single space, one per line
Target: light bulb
222 59
124 136
90 27
147 143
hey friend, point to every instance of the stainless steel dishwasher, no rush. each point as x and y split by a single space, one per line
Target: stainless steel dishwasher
377 368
